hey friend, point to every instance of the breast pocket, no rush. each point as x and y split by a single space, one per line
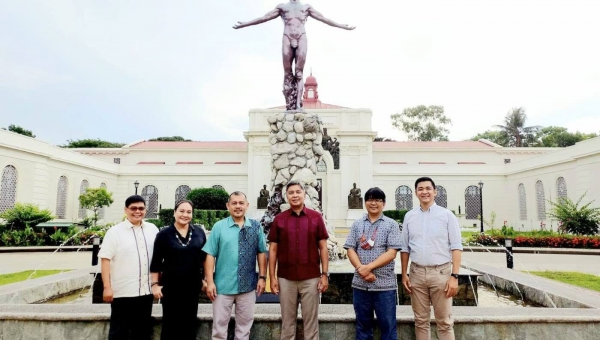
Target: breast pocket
441 227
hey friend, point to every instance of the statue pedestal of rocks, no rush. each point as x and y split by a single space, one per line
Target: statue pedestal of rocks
295 139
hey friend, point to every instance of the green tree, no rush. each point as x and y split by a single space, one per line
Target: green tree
170 139
383 139
423 123
575 219
91 143
25 215
498 137
20 130
95 199
516 132
556 136
208 198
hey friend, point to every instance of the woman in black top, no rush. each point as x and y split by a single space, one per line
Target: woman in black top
177 273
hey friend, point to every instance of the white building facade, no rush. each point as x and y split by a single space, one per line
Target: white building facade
517 182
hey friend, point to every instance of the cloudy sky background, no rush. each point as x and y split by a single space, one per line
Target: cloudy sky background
130 70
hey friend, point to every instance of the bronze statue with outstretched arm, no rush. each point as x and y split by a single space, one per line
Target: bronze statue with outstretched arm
294 15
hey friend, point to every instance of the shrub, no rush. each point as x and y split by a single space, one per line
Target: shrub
208 198
575 219
397 215
205 217
543 241
25 237
25 215
95 199
157 222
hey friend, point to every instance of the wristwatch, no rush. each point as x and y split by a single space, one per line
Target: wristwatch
454 276
326 274
262 277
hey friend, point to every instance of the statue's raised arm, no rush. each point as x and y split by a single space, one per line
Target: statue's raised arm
294 45
267 17
318 16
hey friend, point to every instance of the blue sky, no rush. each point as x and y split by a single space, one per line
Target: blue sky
130 70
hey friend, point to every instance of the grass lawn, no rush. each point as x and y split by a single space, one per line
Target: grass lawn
468 234
22 276
588 281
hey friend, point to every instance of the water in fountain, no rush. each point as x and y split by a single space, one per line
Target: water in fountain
59 249
522 265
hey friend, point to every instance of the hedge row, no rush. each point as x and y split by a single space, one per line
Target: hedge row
397 215
561 241
205 217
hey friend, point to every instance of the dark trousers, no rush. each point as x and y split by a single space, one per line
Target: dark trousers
180 314
384 305
131 318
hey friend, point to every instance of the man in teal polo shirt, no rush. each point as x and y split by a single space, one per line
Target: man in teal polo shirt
235 244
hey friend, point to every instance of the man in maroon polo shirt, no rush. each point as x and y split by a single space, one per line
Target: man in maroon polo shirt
298 247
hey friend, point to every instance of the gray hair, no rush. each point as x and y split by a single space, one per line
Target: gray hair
237 193
292 183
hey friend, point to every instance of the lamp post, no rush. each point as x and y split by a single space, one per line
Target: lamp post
509 254
137 184
481 204
95 249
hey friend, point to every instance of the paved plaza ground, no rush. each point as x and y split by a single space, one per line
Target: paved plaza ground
15 262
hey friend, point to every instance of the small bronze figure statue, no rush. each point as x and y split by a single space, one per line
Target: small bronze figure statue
355 200
263 198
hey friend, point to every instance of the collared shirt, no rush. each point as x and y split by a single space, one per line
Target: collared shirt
235 251
386 234
297 237
429 236
129 249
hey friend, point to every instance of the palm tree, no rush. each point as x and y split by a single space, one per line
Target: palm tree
517 134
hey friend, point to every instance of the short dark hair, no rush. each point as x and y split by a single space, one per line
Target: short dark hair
237 193
134 199
424 179
184 201
292 183
375 193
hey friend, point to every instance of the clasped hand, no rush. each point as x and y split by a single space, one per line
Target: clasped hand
365 272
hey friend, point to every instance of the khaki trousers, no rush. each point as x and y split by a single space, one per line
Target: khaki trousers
428 284
244 315
289 291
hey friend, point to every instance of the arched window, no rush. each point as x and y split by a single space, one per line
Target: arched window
218 187
540 197
8 188
561 187
441 198
181 193
84 185
522 203
102 211
404 198
472 202
150 195
61 197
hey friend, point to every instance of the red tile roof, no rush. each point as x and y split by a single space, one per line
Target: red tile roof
445 145
197 163
228 162
314 106
190 145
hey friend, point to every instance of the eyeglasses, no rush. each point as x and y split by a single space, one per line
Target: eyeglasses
372 200
136 208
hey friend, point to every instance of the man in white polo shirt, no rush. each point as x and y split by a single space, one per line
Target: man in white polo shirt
126 253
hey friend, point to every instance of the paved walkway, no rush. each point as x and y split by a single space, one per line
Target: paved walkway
17 262
538 262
